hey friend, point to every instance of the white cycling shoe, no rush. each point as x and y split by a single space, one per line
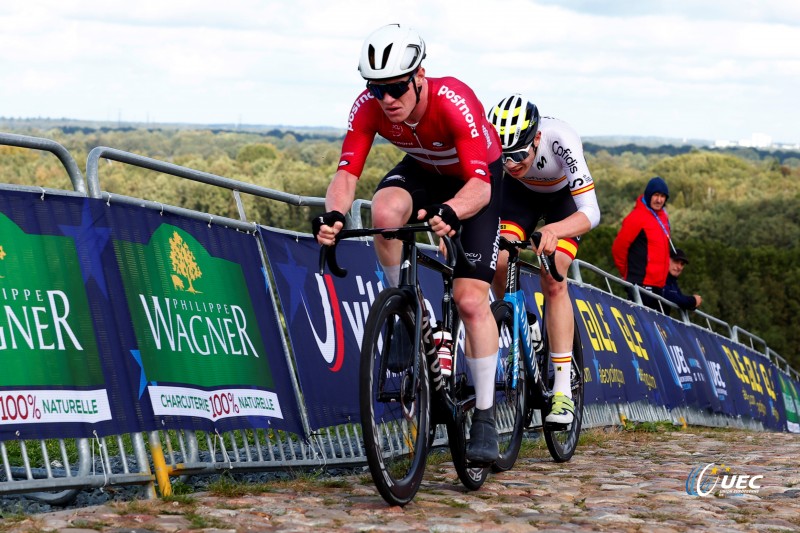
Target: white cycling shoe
562 410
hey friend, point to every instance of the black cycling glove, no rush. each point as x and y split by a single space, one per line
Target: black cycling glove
326 219
445 212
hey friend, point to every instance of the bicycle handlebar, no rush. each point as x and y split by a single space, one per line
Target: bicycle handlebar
548 261
455 251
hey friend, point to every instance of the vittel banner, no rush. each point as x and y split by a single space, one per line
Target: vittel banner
325 316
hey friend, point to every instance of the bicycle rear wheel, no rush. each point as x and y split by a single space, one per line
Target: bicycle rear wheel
562 441
511 401
394 398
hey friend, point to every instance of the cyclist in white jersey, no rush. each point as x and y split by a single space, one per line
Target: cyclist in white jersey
546 177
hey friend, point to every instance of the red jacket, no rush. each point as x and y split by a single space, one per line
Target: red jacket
641 248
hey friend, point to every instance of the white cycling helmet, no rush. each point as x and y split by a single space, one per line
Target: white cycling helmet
516 120
391 51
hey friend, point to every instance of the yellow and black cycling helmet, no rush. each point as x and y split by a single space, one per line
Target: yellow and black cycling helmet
516 120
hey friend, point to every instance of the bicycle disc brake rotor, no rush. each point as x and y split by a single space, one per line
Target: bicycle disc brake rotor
407 397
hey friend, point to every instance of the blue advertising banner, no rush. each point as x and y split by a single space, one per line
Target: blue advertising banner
143 320
677 362
613 366
757 385
325 316
718 368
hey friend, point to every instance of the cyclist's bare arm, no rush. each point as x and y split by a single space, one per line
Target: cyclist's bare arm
573 226
340 196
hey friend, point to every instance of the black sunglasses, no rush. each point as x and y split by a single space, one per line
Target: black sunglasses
516 156
395 90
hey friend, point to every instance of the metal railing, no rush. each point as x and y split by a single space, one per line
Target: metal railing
183 453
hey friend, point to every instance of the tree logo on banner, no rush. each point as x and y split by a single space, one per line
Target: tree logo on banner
205 338
183 263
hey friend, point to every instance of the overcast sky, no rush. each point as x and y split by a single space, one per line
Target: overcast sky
698 69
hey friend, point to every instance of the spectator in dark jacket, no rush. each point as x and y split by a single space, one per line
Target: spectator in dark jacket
641 248
678 260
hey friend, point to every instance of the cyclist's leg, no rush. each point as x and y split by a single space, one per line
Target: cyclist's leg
560 326
472 299
480 238
392 206
559 318
518 218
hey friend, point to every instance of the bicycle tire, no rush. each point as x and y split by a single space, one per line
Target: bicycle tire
562 443
511 404
395 419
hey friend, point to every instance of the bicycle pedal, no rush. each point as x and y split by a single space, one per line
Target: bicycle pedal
479 464
557 426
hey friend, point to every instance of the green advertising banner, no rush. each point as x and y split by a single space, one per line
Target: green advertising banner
198 338
791 401
51 369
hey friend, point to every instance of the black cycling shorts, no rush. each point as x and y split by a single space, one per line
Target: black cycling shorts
481 233
524 208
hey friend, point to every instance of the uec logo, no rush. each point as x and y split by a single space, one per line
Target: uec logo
703 480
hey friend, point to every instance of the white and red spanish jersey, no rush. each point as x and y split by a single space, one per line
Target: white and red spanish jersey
560 163
453 137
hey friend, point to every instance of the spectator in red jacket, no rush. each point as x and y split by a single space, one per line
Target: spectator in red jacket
642 246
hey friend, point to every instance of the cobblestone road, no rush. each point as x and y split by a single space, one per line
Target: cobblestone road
617 481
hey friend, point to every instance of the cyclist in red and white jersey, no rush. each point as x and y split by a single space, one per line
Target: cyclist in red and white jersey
550 181
449 176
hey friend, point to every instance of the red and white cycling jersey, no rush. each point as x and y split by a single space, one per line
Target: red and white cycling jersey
559 163
453 138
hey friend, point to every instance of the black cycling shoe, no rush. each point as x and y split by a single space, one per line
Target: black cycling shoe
483 447
400 354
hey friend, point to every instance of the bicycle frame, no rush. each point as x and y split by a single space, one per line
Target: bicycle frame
411 258
516 298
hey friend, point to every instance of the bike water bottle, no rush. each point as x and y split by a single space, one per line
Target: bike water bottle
535 332
443 341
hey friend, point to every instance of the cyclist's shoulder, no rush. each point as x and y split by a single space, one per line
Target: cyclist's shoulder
556 130
452 92
365 108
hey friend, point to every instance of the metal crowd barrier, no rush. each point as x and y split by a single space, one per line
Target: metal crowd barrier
56 470
174 453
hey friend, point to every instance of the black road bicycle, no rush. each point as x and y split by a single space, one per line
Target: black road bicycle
403 393
528 372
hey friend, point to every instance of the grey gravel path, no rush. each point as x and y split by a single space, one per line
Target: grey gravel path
617 481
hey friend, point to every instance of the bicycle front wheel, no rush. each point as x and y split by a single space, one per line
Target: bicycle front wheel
562 441
511 399
394 398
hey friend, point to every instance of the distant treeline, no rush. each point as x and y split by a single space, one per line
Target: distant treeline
736 212
784 157
301 137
